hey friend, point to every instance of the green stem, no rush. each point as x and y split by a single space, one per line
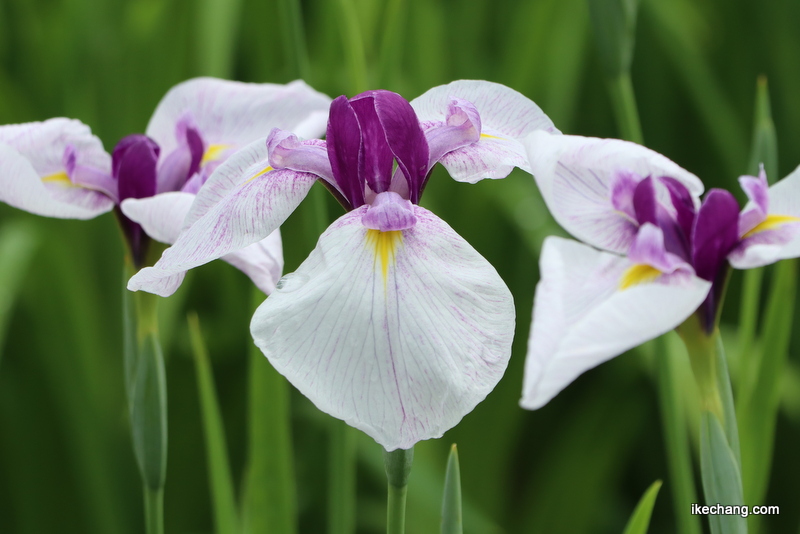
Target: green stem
398 466
341 479
294 38
154 510
676 440
623 101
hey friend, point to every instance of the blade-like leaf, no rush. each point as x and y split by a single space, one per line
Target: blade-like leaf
721 476
219 472
17 243
640 520
451 502
269 501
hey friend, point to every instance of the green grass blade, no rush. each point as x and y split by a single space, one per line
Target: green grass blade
676 438
341 478
222 495
294 38
721 476
353 46
759 411
215 39
451 503
640 520
17 244
269 503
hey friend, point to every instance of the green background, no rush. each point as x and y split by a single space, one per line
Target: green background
578 465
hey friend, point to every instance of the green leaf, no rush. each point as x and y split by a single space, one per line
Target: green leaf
146 385
269 500
721 477
219 471
17 243
216 35
451 502
640 519
676 440
614 27
759 409
764 147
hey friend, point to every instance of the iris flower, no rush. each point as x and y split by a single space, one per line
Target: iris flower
394 323
57 168
657 253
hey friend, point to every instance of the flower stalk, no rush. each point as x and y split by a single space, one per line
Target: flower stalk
398 467
146 388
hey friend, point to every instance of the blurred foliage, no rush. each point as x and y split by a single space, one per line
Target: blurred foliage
579 465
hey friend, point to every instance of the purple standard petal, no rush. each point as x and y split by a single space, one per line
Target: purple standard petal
376 158
405 138
682 201
645 204
134 166
344 144
388 212
184 161
715 235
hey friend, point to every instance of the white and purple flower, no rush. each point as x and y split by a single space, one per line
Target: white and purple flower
394 323
57 168
663 255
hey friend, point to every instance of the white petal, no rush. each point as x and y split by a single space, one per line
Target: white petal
228 220
582 318
403 355
32 151
576 175
782 242
506 115
236 113
262 261
161 216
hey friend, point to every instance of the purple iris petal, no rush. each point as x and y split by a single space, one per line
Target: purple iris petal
645 203
184 161
715 233
376 158
462 128
648 248
682 202
133 164
389 211
757 190
405 138
89 177
343 145
622 191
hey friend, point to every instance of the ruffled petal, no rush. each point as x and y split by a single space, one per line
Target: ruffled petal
506 117
243 202
400 334
37 176
162 218
582 317
236 113
777 237
580 179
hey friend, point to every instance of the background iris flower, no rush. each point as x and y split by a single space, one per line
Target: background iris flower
662 254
